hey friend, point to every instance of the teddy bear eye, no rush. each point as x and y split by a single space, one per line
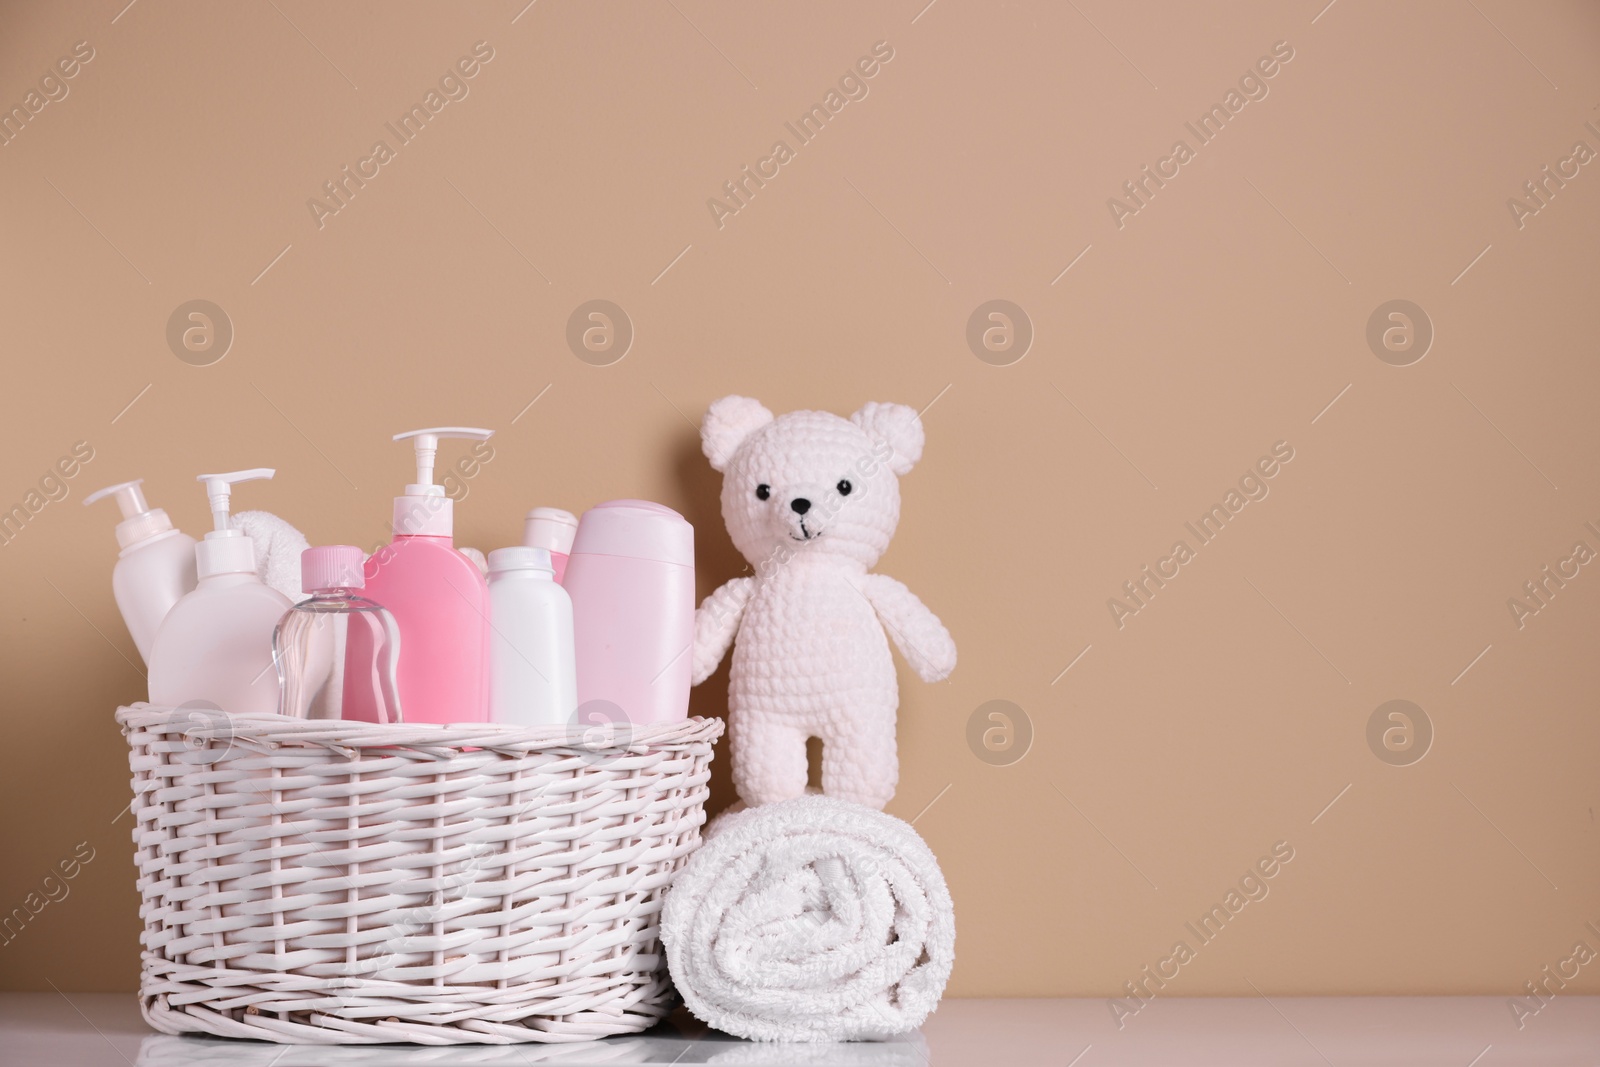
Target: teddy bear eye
763 491
844 487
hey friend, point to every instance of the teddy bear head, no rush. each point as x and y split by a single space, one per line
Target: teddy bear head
810 482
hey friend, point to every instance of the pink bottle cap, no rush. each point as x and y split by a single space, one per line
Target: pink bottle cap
329 567
550 528
637 529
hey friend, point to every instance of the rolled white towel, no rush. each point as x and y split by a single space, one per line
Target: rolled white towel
278 547
812 919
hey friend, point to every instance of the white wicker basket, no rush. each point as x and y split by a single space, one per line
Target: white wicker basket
350 883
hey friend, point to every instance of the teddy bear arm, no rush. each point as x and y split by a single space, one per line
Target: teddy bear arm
917 632
716 623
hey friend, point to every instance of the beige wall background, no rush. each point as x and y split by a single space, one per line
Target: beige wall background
1148 766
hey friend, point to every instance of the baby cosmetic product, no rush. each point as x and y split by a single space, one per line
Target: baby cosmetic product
631 579
155 567
439 599
215 645
533 673
313 634
551 529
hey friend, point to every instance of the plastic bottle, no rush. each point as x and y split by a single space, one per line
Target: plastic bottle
215 645
631 579
309 639
551 529
155 566
533 673
439 599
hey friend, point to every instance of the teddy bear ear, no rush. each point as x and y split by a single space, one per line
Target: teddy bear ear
727 423
896 425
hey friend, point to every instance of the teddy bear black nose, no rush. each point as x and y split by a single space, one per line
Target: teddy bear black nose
800 505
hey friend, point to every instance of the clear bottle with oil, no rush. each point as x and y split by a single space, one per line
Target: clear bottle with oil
311 644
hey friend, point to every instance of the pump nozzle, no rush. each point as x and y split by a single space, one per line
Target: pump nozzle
424 509
219 487
130 498
139 521
225 550
427 446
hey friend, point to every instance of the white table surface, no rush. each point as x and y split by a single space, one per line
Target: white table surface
76 1029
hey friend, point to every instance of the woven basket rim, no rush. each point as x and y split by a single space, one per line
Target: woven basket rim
423 739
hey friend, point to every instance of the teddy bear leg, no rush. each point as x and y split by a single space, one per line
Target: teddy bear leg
769 760
860 763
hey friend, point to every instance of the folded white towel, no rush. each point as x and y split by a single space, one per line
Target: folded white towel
278 546
812 919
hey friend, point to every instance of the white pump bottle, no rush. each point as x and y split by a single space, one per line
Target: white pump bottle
215 645
155 567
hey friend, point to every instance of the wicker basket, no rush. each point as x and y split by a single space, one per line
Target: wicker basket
351 883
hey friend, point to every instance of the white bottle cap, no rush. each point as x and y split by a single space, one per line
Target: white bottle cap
225 550
550 528
521 558
139 522
425 510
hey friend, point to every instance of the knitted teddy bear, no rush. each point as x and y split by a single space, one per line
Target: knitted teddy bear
811 501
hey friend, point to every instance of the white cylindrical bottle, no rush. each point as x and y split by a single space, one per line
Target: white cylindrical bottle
215 645
155 567
533 676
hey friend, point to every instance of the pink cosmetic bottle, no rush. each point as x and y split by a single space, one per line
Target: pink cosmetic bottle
631 579
438 598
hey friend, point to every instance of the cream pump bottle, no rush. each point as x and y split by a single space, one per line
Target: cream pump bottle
155 566
214 647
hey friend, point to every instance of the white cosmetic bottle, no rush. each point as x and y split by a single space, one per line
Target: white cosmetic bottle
215 645
533 675
155 567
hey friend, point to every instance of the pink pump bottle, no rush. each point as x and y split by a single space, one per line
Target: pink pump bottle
438 598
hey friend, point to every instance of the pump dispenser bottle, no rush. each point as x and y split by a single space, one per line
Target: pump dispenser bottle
155 567
215 645
439 600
